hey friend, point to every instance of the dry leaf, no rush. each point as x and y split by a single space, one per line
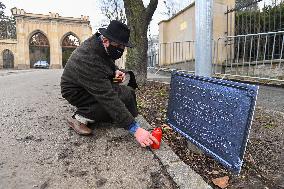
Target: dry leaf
215 172
166 127
250 159
222 182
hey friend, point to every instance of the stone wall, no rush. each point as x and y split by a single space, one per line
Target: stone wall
11 45
53 26
274 71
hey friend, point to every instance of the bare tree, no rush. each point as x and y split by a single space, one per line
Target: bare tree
7 24
2 7
138 19
113 10
171 8
247 4
3 22
174 6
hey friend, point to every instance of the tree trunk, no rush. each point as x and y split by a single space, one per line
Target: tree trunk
138 20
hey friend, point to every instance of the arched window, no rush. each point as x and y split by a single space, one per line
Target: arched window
69 43
8 59
39 48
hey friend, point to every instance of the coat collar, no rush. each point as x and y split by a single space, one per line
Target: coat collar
99 48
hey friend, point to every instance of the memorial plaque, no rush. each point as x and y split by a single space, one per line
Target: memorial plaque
213 114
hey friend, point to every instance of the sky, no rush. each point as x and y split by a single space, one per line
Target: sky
91 8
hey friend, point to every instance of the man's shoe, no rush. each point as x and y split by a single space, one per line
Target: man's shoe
79 127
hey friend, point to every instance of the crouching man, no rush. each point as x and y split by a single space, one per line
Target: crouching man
89 82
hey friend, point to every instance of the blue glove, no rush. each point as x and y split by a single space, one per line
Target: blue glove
133 127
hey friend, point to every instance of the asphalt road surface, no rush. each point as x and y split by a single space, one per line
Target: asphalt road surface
270 98
38 150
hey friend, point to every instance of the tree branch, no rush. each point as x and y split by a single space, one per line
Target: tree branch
113 10
150 10
133 7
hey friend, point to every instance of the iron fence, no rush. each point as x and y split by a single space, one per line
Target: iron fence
153 60
252 46
172 54
255 16
258 56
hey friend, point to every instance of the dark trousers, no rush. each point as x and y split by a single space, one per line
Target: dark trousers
88 107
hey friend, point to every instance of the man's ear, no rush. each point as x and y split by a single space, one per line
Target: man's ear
105 42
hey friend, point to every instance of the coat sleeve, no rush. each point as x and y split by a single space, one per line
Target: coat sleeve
94 79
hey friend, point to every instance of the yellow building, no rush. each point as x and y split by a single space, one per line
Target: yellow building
177 34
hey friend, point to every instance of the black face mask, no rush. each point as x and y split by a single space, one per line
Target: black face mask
114 52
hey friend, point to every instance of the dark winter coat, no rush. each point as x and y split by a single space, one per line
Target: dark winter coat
90 68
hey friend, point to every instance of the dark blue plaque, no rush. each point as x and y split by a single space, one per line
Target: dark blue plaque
213 114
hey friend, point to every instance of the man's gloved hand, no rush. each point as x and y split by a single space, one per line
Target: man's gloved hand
144 137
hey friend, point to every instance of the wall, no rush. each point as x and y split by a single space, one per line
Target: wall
181 28
8 44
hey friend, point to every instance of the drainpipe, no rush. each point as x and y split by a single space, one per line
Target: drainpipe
203 37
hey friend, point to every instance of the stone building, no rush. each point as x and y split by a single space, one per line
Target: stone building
53 28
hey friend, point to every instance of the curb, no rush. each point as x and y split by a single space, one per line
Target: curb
168 71
182 175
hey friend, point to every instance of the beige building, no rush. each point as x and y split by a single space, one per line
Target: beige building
177 34
54 27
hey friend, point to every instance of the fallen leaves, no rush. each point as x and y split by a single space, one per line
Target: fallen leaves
166 128
222 182
264 146
214 173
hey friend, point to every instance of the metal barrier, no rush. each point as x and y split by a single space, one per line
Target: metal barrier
257 56
254 56
153 60
172 53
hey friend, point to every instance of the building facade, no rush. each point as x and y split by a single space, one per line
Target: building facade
53 26
177 34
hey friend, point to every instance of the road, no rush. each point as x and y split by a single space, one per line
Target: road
38 150
270 98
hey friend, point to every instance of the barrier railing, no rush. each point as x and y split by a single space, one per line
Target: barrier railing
172 53
258 56
255 56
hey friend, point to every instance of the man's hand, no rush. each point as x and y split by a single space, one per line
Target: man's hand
120 74
144 137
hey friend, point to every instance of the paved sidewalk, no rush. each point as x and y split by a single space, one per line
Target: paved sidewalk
38 150
4 72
